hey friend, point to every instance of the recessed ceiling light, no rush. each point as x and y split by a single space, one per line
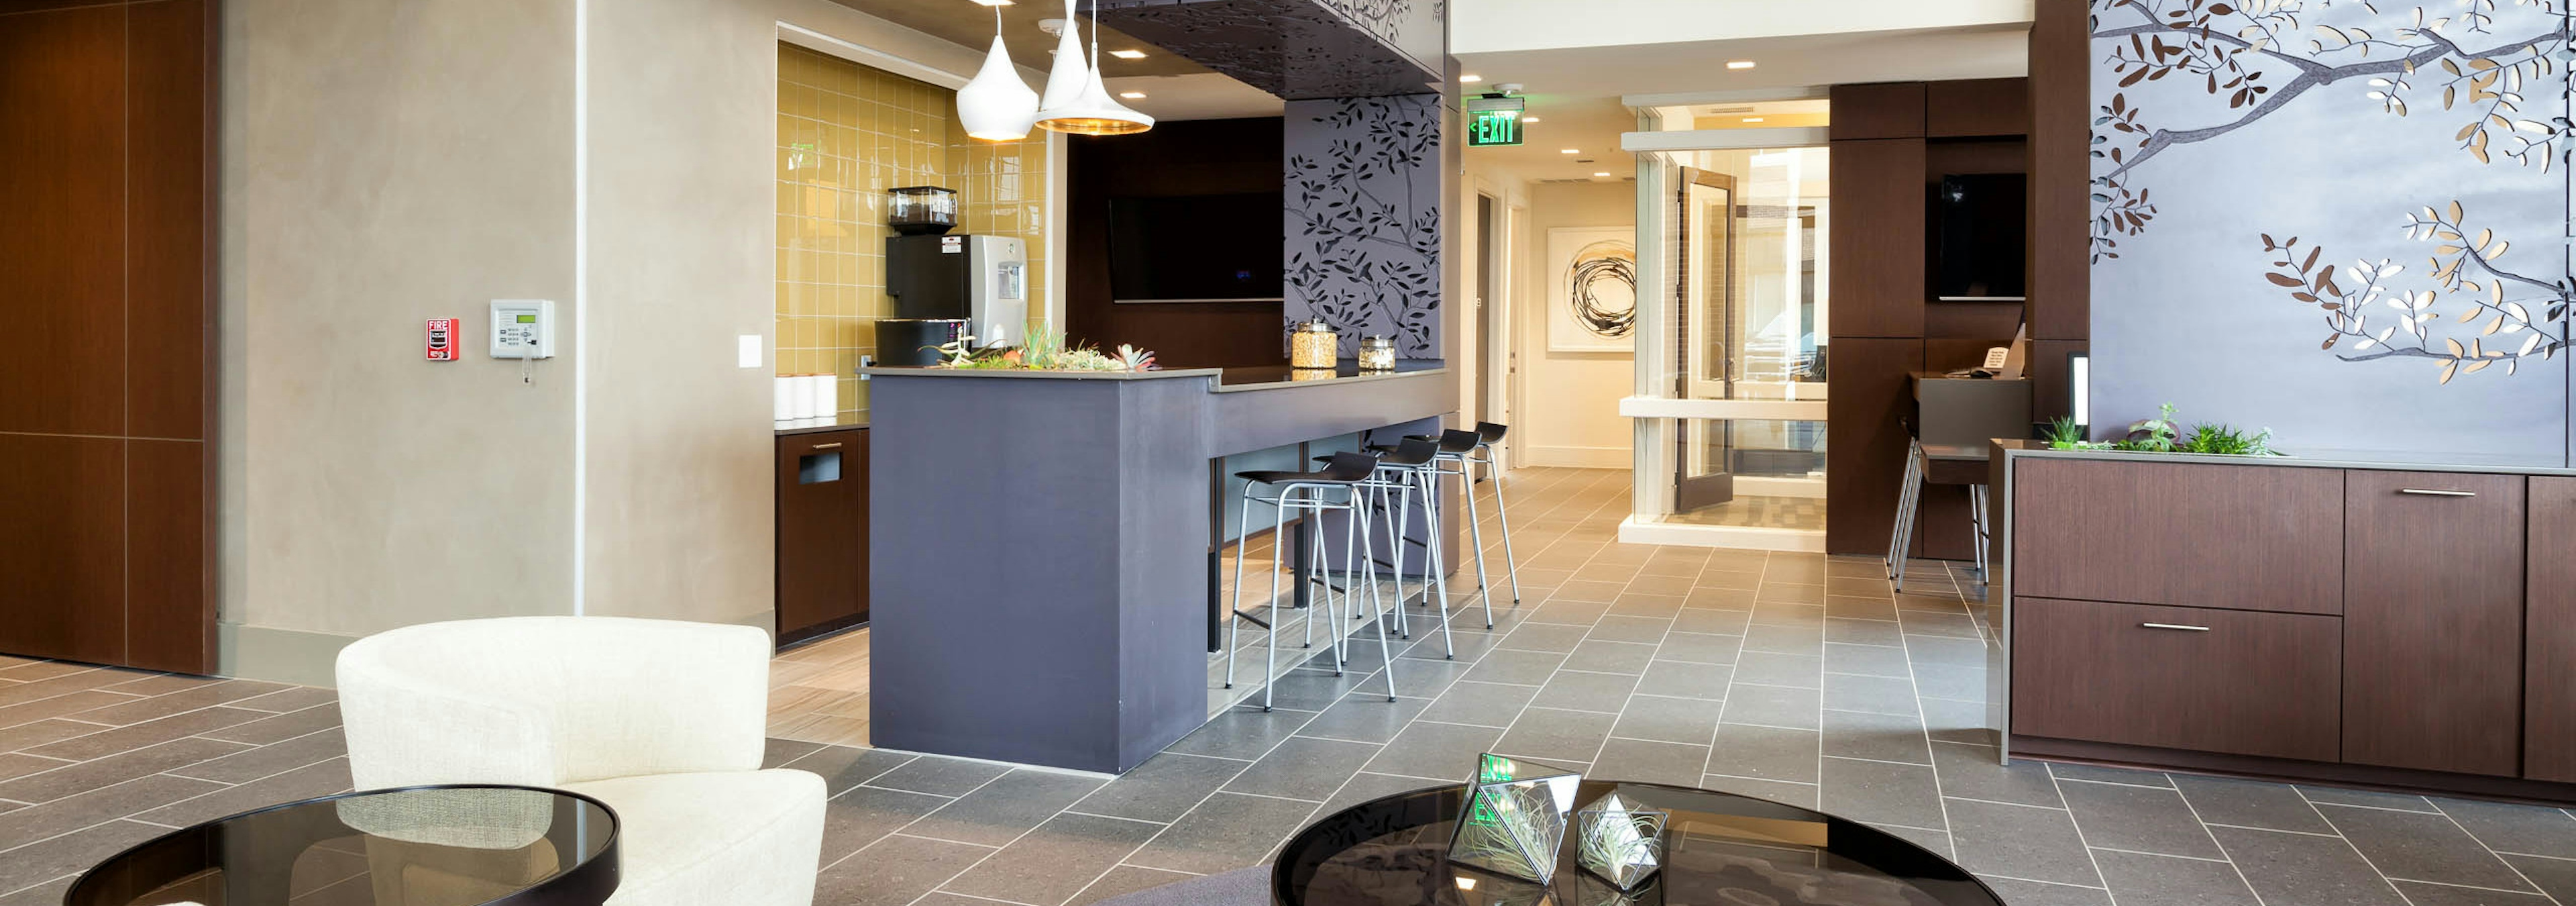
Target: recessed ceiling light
1529 119
1602 173
1739 64
1753 119
1132 95
1471 78
1128 54
1569 151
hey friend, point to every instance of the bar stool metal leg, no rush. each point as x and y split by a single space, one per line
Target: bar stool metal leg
1354 535
1908 506
1242 545
1475 535
1502 514
1895 560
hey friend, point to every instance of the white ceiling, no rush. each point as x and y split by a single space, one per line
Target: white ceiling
1576 92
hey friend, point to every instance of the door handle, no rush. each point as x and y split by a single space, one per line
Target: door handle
2436 492
833 445
2175 626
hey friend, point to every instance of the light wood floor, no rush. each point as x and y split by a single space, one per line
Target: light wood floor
818 692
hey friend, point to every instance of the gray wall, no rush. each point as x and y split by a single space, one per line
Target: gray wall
1364 208
2189 306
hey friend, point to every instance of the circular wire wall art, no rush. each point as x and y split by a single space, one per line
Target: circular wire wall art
1602 287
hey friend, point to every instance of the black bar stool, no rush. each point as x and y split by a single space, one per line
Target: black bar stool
1402 470
1458 450
1309 493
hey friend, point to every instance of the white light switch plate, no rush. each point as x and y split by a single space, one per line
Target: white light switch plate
747 351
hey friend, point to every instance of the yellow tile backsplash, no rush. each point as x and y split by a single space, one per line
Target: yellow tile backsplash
846 134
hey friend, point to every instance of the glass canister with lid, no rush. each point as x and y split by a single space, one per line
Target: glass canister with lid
921 210
1314 344
1377 354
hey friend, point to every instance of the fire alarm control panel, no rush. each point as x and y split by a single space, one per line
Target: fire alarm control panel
523 328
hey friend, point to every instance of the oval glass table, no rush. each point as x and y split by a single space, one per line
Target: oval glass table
1721 849
463 845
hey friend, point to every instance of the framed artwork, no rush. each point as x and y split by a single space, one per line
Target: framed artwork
1592 288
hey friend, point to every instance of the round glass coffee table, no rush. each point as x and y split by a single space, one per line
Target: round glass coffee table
466 845
1721 849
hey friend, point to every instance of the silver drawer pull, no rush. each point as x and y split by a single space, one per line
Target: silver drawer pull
828 446
2175 626
2436 492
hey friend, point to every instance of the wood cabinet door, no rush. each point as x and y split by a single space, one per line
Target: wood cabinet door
2192 678
2433 617
2549 634
822 531
2249 537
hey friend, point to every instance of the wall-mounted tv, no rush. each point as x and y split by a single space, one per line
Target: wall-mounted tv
1197 248
1978 233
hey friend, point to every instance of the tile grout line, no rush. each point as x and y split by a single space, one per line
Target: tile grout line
2187 805
2482 844
2347 841
2080 840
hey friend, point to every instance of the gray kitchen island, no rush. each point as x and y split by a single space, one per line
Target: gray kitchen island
1043 561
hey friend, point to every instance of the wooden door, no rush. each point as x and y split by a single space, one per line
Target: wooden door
2433 621
2549 634
822 533
106 256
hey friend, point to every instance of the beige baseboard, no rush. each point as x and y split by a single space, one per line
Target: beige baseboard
278 655
1580 457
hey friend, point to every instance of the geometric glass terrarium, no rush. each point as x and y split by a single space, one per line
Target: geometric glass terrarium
1514 818
1620 839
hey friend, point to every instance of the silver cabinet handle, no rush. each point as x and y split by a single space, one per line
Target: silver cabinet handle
828 446
2175 626
2436 492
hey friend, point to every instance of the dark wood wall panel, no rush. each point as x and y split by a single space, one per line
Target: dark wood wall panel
167 221
2051 395
1876 110
1878 238
1183 158
62 238
107 114
169 589
1963 108
1866 393
2549 635
2432 640
2182 534
62 547
2061 218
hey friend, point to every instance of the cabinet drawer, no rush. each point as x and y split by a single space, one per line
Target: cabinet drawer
2240 682
2249 537
2432 639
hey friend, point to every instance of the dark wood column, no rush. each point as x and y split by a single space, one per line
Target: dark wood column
106 276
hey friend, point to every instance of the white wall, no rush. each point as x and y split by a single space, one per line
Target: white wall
1570 400
387 161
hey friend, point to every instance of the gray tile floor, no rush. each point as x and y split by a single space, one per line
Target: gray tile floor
1793 677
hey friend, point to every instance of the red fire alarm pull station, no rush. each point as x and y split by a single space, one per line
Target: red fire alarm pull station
442 339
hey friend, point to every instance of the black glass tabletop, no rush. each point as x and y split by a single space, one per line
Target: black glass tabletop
1720 850
468 845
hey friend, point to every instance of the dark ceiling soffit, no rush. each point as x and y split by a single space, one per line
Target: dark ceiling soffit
1294 49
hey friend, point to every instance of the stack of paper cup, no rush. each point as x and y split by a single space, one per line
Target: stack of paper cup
827 396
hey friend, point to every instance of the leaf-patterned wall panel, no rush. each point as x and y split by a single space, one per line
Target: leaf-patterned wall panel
2344 221
1363 218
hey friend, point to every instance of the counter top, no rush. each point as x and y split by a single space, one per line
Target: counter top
1222 380
842 422
2298 458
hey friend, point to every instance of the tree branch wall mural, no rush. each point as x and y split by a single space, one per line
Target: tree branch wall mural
1363 193
2397 171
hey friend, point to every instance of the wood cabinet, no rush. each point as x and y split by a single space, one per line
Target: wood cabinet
2432 640
2237 537
2229 681
822 532
2549 634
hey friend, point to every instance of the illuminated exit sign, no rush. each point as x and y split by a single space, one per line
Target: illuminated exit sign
1494 121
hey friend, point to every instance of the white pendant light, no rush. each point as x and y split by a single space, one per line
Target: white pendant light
1088 110
1065 77
997 106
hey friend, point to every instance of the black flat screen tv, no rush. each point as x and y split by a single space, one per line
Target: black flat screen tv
1197 248
1978 235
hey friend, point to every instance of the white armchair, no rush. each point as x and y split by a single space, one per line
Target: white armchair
661 720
